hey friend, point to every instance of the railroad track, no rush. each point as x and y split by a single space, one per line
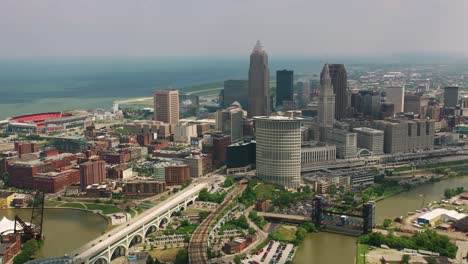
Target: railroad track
198 245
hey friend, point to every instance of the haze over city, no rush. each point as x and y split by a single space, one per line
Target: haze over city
212 27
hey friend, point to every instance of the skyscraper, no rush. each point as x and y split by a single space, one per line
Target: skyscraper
259 82
326 103
278 150
284 86
339 79
451 96
166 106
396 95
229 121
236 91
303 94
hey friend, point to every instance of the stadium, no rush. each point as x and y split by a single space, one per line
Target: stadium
47 122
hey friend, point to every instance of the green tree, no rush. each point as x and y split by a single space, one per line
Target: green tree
387 222
237 259
405 259
228 182
182 257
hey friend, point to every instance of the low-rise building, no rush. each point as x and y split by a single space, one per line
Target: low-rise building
432 217
139 188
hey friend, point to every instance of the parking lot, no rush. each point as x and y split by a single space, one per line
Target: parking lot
274 252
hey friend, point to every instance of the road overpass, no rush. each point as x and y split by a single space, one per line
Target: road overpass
117 242
297 219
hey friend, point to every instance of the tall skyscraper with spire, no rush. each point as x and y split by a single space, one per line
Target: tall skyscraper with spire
326 103
259 82
339 79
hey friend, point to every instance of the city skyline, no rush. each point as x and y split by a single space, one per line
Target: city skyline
212 28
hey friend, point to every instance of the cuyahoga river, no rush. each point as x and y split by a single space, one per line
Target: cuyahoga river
329 248
67 229
64 229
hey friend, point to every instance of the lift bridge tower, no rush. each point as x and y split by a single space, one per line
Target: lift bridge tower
33 230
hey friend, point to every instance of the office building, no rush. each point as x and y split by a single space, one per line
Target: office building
402 135
313 152
303 94
371 103
416 103
236 91
396 95
326 104
451 96
284 86
339 81
229 121
278 150
345 142
166 106
177 174
139 188
92 172
259 82
240 157
370 139
184 132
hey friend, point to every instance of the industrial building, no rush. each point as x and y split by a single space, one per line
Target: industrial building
432 217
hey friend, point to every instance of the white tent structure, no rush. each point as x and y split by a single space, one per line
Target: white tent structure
7 226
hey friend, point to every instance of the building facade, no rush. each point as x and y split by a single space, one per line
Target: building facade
451 94
166 106
92 172
278 150
339 80
326 103
313 153
396 95
236 91
370 139
284 86
259 82
406 135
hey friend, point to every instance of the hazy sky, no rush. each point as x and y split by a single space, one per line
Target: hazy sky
231 27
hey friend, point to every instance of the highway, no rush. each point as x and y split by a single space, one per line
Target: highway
101 243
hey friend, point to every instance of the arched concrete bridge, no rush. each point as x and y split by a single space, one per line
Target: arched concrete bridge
117 242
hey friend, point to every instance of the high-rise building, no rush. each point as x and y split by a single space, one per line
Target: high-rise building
236 91
278 150
92 172
259 82
339 80
370 139
345 142
451 96
166 106
326 103
396 95
229 121
416 103
303 94
284 86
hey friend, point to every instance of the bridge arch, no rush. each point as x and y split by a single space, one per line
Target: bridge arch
364 153
189 202
163 222
136 239
119 251
101 260
151 229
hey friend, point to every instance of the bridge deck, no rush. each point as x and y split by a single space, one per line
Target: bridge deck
99 244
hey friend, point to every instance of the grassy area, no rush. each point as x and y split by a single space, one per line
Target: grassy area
265 190
105 208
191 211
52 203
165 255
73 205
285 233
361 251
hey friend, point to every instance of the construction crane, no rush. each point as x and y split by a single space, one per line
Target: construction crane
33 230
